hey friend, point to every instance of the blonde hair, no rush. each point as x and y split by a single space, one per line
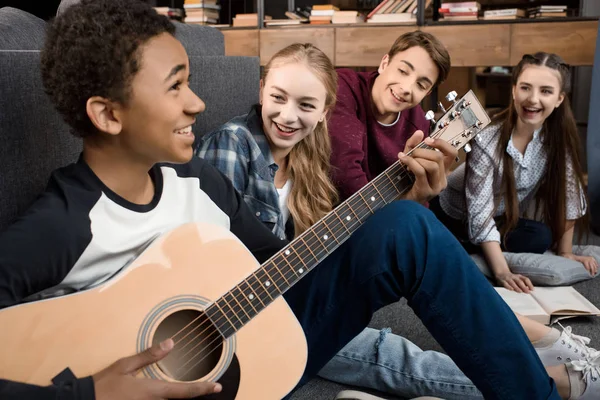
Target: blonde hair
313 194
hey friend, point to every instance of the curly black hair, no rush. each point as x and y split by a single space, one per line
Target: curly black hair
92 50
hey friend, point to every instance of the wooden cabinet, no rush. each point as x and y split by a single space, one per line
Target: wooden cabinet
575 42
241 42
273 40
471 45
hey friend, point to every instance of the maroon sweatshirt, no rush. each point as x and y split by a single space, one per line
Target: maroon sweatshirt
362 148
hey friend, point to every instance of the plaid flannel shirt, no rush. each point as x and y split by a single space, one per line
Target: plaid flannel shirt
239 149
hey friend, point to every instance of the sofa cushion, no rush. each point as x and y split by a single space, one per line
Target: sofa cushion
545 269
228 86
20 30
200 40
34 138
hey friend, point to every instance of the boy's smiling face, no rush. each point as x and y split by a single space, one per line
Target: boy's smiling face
403 81
156 122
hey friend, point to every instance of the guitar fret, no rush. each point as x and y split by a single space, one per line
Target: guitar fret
305 258
281 273
266 282
355 214
258 289
391 180
242 295
291 268
319 234
234 300
350 215
309 249
325 237
272 277
235 314
227 311
341 221
366 203
224 325
380 195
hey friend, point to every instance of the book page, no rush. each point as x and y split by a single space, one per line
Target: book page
563 300
524 304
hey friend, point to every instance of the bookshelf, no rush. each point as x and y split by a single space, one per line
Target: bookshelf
363 45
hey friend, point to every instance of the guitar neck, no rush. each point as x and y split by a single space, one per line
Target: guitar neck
238 306
234 309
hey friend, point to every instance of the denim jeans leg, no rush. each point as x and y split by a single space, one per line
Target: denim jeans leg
378 359
404 251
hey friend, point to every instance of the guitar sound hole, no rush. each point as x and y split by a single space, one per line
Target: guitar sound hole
198 345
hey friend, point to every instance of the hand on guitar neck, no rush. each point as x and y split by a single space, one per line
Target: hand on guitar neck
430 167
118 380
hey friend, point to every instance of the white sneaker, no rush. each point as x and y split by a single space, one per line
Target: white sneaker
355 395
590 370
569 347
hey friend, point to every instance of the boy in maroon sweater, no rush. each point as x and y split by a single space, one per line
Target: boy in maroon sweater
377 112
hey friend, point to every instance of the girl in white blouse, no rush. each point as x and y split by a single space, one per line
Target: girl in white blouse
522 188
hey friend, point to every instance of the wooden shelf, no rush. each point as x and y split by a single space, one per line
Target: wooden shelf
492 75
479 43
510 21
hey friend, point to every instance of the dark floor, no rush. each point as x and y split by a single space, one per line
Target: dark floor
400 318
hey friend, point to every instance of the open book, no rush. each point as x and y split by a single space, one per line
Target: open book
549 304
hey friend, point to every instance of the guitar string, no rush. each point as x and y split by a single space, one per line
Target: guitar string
277 280
300 257
250 286
284 276
216 338
403 173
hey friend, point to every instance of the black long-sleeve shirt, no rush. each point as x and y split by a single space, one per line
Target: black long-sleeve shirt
79 233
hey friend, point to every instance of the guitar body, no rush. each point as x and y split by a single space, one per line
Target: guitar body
160 295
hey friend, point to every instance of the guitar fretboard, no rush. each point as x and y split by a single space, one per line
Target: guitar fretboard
238 306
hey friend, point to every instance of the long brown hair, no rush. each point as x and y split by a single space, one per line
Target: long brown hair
313 194
560 140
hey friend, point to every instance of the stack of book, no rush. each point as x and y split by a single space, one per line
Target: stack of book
464 11
506 13
248 20
547 12
347 17
285 21
322 14
396 11
201 12
172 13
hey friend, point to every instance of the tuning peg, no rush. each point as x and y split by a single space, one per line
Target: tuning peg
429 116
451 96
467 148
441 106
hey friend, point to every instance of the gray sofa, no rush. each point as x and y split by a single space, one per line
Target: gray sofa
35 141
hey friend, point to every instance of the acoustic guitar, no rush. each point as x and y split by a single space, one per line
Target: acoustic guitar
200 286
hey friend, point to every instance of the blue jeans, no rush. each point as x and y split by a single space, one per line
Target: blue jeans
404 251
392 364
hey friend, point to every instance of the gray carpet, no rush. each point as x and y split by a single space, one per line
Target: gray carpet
401 319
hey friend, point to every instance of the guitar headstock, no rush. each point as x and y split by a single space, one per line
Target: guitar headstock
461 122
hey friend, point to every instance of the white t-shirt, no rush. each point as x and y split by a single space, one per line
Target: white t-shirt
392 124
284 192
